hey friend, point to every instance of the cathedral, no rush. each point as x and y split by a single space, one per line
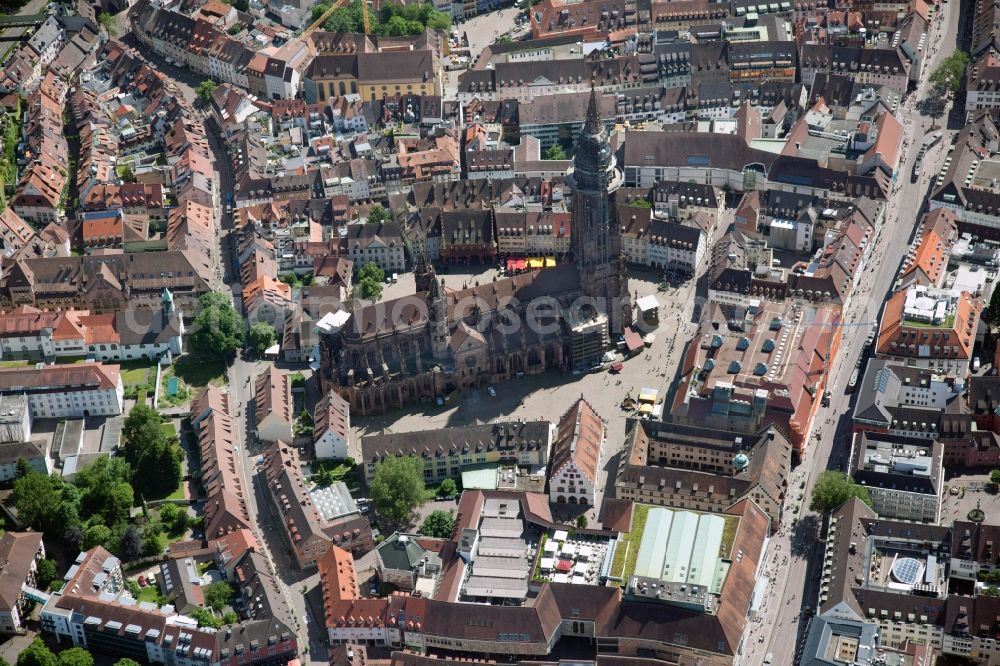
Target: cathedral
436 341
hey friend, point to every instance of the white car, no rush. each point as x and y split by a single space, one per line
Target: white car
492 392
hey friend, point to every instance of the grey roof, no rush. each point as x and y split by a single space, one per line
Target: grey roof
402 552
509 436
820 647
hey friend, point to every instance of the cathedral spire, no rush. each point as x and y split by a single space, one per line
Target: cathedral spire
593 124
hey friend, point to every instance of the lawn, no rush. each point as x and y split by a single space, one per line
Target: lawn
340 470
150 593
728 535
14 364
627 550
168 429
135 373
200 373
178 494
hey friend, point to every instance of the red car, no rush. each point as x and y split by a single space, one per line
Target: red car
142 581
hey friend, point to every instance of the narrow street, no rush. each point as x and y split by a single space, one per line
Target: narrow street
242 374
794 554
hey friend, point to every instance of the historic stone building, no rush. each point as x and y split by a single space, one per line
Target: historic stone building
436 341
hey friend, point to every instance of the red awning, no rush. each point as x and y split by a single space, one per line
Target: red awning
633 340
564 565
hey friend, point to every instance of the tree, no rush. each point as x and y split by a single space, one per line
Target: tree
995 477
205 618
370 279
217 331
159 470
204 91
96 535
229 617
75 656
398 487
105 488
993 311
447 488
439 524
950 72
140 428
125 661
151 545
23 469
126 173
73 538
260 336
554 152
641 203
36 654
581 521
36 500
832 489
218 595
130 544
504 39
107 21
45 574
318 10
242 5
378 214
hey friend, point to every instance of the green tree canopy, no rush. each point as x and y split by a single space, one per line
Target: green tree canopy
370 279
106 490
393 19
217 331
108 22
96 535
398 487
204 91
447 488
159 471
36 499
995 479
377 213
205 618
554 152
218 595
36 654
46 573
318 10
950 72
125 661
75 656
260 336
140 428
832 489
439 524
22 468
126 173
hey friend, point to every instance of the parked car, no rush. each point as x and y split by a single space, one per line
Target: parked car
492 391
143 582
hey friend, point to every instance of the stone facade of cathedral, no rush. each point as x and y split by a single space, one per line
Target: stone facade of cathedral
419 347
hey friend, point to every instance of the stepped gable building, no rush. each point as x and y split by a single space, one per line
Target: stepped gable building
426 345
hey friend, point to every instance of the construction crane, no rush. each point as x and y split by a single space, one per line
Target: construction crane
322 19
364 17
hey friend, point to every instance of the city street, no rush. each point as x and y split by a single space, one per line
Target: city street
794 553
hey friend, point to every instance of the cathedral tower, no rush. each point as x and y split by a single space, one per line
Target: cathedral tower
596 238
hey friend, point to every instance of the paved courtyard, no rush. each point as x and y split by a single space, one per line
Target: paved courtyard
549 395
